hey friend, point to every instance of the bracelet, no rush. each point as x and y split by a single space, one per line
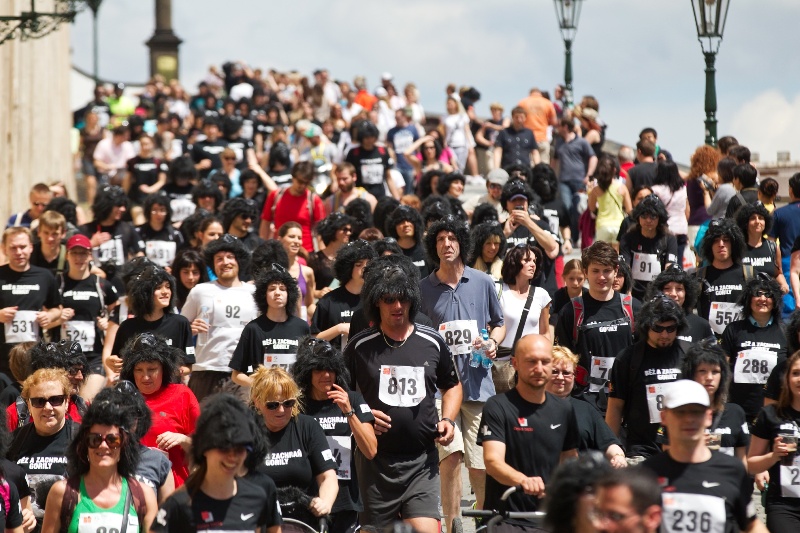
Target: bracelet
350 413
449 420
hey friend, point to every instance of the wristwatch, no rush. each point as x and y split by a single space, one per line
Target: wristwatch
449 420
350 413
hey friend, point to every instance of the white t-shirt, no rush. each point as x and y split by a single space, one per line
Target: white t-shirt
456 134
512 312
230 310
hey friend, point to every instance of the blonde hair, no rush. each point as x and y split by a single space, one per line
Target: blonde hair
53 220
45 375
14 231
561 353
269 383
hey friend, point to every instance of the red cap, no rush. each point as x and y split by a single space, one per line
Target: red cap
79 241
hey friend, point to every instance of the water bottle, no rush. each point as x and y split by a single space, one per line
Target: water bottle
205 316
478 356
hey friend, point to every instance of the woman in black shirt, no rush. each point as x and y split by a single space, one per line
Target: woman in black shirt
755 221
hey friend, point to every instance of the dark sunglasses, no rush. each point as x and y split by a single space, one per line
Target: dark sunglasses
278 268
390 300
54 401
762 293
655 328
75 370
145 340
287 404
113 440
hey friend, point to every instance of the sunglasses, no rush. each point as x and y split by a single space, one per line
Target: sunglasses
75 370
390 300
113 440
145 340
54 401
764 294
278 268
39 204
287 404
655 328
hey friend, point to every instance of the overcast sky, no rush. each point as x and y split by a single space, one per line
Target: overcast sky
639 58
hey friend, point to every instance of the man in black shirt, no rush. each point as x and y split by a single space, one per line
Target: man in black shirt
684 290
702 490
515 144
744 181
372 163
405 226
205 154
114 240
644 172
526 432
398 366
237 218
50 252
641 374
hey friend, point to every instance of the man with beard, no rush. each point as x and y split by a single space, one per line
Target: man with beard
405 226
237 218
346 181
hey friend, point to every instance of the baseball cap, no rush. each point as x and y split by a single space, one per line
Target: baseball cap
497 176
386 76
79 241
685 392
313 131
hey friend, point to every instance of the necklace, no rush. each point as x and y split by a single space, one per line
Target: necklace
390 345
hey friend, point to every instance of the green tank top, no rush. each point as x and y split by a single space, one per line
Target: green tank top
90 518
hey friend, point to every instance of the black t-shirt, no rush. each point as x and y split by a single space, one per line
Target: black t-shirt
731 424
16 475
144 171
11 513
9 394
750 196
273 506
371 167
753 353
642 174
342 443
560 299
594 432
298 454
647 257
516 145
334 308
209 150
763 258
38 259
696 329
534 435
83 297
246 511
162 245
768 425
417 256
402 382
557 216
123 245
772 389
323 269
175 328
714 495
268 343
358 322
180 200
31 291
724 286
153 468
644 394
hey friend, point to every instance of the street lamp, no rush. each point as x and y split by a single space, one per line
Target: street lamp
94 5
568 12
34 24
710 17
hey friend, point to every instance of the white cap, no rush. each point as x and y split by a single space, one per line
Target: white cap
386 76
685 392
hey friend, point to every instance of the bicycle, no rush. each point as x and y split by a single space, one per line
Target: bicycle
496 516
292 525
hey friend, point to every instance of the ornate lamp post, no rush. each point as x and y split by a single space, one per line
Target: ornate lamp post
34 24
94 5
164 43
568 12
709 17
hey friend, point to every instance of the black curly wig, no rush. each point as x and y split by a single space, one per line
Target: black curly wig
227 243
444 182
480 234
224 422
181 168
66 207
236 207
157 199
332 223
513 188
148 348
140 290
361 213
435 208
107 198
660 308
709 352
390 275
544 182
128 397
762 282
449 223
269 252
317 354
744 213
105 410
425 186
383 209
387 244
723 227
484 213
267 275
651 205
404 213
675 274
347 257
207 189
793 331
64 355
519 171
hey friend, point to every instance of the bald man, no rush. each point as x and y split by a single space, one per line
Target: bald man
526 432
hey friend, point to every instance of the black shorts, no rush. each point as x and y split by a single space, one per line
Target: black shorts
398 487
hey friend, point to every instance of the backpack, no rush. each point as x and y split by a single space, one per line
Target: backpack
577 307
72 491
748 271
280 194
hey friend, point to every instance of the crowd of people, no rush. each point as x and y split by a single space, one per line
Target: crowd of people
279 305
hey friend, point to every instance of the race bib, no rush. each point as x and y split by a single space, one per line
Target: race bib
161 253
340 446
105 522
372 173
283 360
110 252
80 331
233 310
721 314
655 401
182 208
601 368
754 366
458 335
645 267
790 479
22 328
402 386
700 513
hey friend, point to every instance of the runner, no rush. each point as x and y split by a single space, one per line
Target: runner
161 240
684 289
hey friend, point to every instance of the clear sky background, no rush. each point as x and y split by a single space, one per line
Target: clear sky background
639 58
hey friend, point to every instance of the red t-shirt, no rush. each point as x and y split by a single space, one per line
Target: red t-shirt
294 208
174 409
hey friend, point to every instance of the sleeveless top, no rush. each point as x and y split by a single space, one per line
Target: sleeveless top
609 207
88 517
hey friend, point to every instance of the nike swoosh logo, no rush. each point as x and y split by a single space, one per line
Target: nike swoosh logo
710 485
246 517
554 426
